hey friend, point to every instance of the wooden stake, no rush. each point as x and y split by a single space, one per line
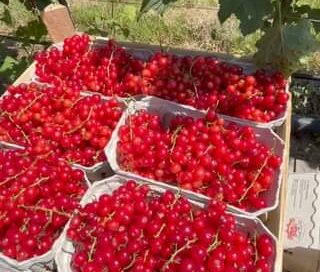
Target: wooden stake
59 24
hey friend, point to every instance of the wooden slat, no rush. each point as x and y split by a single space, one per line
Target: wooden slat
275 220
26 76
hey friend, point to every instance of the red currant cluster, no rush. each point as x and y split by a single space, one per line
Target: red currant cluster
135 229
102 70
59 119
223 161
204 82
201 82
37 197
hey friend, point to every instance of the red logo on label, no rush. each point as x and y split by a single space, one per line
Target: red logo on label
294 228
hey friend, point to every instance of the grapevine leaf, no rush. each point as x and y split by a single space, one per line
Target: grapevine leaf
42 4
311 3
251 13
30 5
35 29
285 46
158 5
11 68
6 17
7 64
6 2
312 13
95 30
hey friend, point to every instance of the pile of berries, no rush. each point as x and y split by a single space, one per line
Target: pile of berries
37 197
58 119
107 69
137 230
201 82
205 82
223 161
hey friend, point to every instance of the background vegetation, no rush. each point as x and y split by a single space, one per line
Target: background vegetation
189 24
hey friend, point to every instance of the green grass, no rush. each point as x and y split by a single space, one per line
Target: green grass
199 3
312 3
305 98
180 27
19 15
186 28
124 26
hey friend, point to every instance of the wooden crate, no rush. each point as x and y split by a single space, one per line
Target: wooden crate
275 219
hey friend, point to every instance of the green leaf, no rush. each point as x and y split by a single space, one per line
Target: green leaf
285 46
42 4
6 17
251 13
125 31
95 30
35 30
158 5
311 3
12 68
7 64
6 2
312 13
29 4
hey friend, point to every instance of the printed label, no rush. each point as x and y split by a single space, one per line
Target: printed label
302 224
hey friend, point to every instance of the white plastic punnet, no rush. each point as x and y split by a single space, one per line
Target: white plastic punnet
144 52
63 257
95 167
167 110
9 264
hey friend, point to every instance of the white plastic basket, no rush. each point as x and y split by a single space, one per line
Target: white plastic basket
167 110
143 51
64 253
6 268
9 264
97 166
28 264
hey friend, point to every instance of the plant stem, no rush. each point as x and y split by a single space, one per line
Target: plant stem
134 257
160 230
18 127
92 249
37 182
174 137
82 123
37 208
20 173
215 243
255 179
30 104
174 255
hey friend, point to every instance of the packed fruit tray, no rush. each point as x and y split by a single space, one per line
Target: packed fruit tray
131 140
50 118
198 79
78 96
37 195
152 230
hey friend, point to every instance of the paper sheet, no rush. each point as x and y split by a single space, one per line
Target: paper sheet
302 224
